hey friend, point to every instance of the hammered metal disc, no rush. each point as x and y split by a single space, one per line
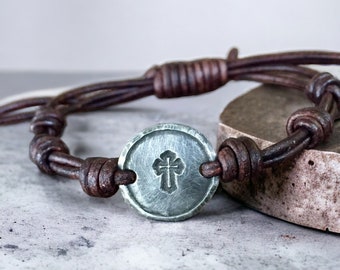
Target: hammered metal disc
166 159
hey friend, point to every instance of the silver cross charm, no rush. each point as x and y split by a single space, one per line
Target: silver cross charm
167 159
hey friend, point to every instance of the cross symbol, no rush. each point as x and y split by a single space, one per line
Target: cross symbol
168 167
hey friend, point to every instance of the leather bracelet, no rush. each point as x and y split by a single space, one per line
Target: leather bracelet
169 171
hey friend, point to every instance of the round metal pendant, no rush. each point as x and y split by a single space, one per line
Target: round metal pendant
166 159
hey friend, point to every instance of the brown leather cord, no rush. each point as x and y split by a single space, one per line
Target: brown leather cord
295 70
8 119
291 58
237 158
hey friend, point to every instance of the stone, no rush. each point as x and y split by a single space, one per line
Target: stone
304 190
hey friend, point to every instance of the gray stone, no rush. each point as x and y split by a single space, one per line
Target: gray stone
305 190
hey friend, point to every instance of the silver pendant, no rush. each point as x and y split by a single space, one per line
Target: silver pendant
167 159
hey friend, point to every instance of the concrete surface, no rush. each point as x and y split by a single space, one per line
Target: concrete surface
49 223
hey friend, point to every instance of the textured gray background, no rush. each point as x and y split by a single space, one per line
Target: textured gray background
49 223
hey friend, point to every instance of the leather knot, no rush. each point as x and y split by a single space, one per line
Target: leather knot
240 159
100 177
179 79
40 149
319 124
48 121
322 83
